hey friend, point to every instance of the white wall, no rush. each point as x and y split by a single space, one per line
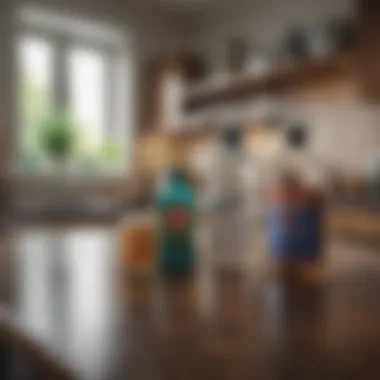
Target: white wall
342 134
262 22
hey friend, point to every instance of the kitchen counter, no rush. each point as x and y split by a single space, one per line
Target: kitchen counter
68 296
356 220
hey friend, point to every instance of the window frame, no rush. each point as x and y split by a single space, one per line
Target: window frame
121 128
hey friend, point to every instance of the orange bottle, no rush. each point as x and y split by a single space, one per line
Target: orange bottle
137 243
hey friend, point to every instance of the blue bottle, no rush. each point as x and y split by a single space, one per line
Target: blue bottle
175 202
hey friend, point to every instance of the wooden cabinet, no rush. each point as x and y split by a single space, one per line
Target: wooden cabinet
368 57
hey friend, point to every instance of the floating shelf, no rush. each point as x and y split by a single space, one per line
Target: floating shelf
279 80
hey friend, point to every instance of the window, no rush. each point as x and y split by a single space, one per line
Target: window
87 93
76 70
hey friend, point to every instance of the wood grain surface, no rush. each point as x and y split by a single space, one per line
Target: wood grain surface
67 294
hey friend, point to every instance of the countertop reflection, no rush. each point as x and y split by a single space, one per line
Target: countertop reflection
68 292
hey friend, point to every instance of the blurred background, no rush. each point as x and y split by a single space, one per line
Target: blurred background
127 89
100 98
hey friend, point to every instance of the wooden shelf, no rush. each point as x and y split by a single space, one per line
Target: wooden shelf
279 80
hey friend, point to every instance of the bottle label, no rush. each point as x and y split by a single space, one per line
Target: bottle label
177 219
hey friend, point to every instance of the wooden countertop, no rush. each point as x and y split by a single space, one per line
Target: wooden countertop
68 295
356 220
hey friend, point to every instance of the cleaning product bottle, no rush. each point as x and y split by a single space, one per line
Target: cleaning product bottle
175 201
229 224
295 210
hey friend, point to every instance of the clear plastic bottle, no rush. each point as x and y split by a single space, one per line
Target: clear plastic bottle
229 227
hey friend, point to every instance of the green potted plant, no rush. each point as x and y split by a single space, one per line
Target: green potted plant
57 139
109 151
